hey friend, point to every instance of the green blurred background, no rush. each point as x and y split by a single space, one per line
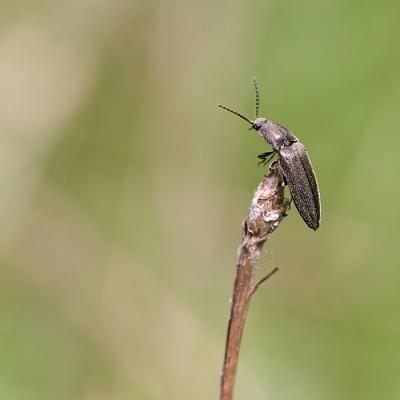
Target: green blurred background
124 187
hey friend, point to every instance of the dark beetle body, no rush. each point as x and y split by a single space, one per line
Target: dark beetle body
295 164
296 167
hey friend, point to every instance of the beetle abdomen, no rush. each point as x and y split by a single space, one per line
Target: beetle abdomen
300 177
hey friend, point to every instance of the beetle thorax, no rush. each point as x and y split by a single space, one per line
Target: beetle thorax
276 135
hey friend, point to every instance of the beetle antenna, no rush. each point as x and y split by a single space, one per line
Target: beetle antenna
236 113
257 90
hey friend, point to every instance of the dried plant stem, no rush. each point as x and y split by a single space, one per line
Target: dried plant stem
267 210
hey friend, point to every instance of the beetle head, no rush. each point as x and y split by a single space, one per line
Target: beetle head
258 123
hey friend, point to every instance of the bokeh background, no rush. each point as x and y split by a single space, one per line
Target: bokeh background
124 187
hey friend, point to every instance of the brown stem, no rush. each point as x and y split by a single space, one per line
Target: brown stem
267 210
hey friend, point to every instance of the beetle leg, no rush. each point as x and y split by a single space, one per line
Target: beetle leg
289 204
266 157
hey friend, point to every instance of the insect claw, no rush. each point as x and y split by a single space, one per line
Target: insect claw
265 157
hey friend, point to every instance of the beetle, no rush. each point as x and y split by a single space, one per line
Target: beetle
294 161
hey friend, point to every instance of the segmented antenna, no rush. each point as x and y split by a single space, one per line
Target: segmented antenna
236 113
257 90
